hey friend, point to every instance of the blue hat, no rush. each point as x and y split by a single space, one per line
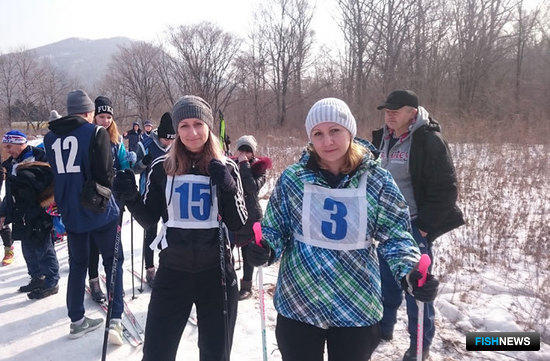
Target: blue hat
15 137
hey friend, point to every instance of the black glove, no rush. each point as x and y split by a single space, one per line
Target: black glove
147 160
425 293
220 175
124 186
258 255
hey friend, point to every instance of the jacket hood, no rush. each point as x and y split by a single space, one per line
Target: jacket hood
39 176
66 124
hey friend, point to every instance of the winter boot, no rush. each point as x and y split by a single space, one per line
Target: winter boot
246 290
150 276
78 329
39 293
8 256
410 355
115 331
36 282
95 290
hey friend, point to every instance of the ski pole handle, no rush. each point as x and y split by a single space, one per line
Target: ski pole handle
423 266
257 228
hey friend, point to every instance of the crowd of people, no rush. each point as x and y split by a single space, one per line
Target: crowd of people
348 223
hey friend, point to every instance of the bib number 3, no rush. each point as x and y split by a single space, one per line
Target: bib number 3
337 228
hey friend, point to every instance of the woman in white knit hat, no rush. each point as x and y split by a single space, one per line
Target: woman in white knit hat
321 220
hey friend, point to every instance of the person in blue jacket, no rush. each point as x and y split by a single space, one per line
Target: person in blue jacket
21 208
151 147
104 117
68 148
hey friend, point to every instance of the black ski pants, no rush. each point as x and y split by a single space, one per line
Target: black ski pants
173 295
299 341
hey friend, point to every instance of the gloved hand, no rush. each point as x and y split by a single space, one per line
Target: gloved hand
124 186
131 157
258 255
427 292
147 160
220 176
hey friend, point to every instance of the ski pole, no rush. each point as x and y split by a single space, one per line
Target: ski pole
221 239
258 236
132 253
140 289
110 293
423 266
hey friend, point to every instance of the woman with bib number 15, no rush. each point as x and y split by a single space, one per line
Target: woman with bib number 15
321 220
189 188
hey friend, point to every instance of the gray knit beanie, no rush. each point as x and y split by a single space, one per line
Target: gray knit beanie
191 106
54 115
78 102
248 140
331 110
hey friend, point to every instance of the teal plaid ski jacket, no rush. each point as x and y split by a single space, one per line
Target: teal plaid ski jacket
335 288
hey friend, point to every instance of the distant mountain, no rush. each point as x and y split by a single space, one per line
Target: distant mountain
84 59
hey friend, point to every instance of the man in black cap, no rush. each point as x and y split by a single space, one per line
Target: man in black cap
150 148
413 150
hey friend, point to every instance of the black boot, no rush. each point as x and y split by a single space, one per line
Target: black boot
36 282
95 290
246 290
42 292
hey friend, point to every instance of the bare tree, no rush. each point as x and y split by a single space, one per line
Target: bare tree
8 83
202 63
284 30
480 33
362 47
52 87
525 26
134 71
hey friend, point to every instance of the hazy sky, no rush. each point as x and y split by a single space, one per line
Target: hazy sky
32 23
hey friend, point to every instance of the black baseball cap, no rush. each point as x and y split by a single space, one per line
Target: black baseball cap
398 99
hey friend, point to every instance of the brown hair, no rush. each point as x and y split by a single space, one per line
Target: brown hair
179 159
113 132
353 157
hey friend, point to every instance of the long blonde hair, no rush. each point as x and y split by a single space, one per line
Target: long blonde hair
180 160
353 157
113 132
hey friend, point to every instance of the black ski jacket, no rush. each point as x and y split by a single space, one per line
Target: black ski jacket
253 178
189 250
434 180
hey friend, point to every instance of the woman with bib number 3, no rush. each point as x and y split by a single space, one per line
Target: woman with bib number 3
321 220
189 187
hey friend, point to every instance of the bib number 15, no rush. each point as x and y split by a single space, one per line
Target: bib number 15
200 200
338 227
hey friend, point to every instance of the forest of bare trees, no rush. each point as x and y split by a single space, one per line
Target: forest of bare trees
482 67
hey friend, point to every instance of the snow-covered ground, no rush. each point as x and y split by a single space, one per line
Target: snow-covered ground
488 297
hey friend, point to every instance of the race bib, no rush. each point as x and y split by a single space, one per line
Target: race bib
190 202
335 218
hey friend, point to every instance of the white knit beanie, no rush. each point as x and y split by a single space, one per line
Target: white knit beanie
248 140
331 110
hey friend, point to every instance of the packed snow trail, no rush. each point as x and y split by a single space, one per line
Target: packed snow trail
37 330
